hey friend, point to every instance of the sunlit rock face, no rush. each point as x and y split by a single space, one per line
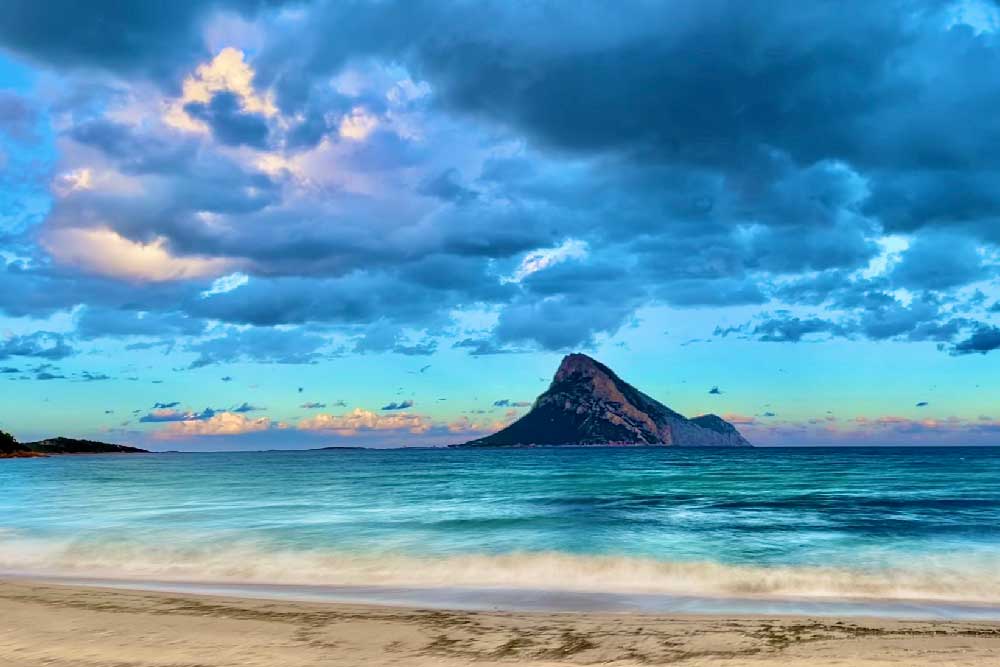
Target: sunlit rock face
587 404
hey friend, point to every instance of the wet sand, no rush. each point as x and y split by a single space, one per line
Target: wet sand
62 625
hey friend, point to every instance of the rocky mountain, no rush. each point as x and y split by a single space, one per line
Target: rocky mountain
587 404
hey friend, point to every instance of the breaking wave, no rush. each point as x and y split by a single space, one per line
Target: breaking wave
957 580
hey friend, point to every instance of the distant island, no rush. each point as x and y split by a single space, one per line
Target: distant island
11 448
331 449
587 404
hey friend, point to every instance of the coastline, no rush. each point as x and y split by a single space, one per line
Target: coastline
58 624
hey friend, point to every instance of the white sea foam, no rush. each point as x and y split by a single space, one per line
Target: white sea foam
957 580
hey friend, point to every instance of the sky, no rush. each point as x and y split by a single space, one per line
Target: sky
288 224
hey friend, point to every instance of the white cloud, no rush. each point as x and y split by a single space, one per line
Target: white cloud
227 283
105 252
73 181
538 260
227 72
358 124
406 90
222 423
365 420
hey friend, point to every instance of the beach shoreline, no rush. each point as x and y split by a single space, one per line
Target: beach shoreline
58 624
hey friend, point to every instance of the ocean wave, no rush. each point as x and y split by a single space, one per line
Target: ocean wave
244 562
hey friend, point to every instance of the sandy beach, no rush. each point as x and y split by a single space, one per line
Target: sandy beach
57 625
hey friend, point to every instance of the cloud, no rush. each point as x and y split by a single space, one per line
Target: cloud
88 376
226 283
507 403
539 260
40 344
18 118
105 252
940 261
793 329
984 339
166 413
245 407
883 429
379 169
922 404
278 346
384 336
97 322
312 405
359 420
221 94
481 347
715 390
402 405
447 186
229 123
166 406
219 424
357 125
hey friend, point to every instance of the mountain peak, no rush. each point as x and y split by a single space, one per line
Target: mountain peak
578 363
588 404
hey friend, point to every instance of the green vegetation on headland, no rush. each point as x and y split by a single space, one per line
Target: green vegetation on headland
10 448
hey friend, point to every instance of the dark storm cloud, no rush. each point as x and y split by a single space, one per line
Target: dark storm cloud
43 290
569 305
691 84
229 123
151 38
937 262
135 152
560 322
707 154
507 403
402 405
689 81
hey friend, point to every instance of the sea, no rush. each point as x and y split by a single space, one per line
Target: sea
904 532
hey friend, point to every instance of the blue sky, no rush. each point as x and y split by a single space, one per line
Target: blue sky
291 224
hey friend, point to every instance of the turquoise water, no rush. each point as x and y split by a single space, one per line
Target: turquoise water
810 524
